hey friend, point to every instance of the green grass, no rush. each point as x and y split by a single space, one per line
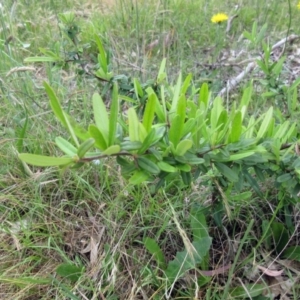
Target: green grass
50 217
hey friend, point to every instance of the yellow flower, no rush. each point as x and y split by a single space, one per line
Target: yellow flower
218 18
298 5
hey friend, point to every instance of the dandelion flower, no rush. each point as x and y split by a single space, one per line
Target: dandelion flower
298 5
218 18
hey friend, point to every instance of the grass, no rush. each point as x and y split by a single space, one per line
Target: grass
92 218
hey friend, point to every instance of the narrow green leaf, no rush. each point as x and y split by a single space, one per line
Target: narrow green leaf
71 129
55 104
215 112
148 165
186 84
101 116
138 88
96 134
44 161
183 146
85 147
265 123
236 128
152 139
184 168
227 172
138 177
284 178
113 118
186 177
131 146
189 127
152 246
240 155
203 95
149 112
42 59
102 53
133 125
247 93
175 132
166 167
114 149
77 129
65 146
161 73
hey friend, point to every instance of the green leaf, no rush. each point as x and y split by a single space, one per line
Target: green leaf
65 146
69 271
190 158
236 128
152 246
246 291
186 177
240 155
280 236
114 149
184 167
215 112
186 84
55 105
198 224
113 118
127 166
183 147
189 127
149 112
292 253
130 146
161 73
148 165
85 147
44 161
138 88
133 125
101 116
284 178
96 134
187 260
71 129
60 114
102 54
176 129
227 172
203 95
43 59
77 129
138 177
166 167
148 141
265 123
247 93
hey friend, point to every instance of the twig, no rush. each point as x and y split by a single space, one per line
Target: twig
251 66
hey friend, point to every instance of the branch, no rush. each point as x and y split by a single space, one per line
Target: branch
251 66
